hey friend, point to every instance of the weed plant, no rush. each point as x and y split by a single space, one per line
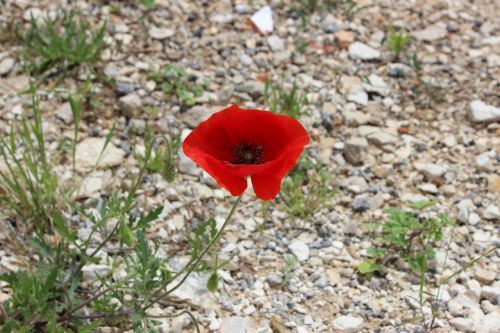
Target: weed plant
279 99
60 45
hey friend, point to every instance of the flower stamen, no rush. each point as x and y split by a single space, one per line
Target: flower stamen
247 153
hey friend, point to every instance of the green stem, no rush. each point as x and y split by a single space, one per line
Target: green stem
191 266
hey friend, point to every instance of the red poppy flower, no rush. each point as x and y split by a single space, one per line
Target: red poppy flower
235 143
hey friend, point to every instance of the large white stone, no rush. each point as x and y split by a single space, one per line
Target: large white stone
480 112
236 325
360 51
89 153
300 250
348 324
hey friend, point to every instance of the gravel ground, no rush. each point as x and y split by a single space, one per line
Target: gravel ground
384 145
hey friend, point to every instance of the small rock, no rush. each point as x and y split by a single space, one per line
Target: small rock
275 43
92 272
275 279
360 205
253 88
381 139
300 250
6 65
130 104
398 70
494 183
490 323
160 33
89 152
348 324
483 162
480 112
236 325
491 212
484 276
111 70
124 88
360 51
64 113
355 150
137 126
463 324
431 171
431 33
358 95
344 38
377 85
429 188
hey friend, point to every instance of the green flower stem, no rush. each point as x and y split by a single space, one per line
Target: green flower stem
191 266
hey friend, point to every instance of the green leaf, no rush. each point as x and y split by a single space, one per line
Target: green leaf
369 266
62 227
153 215
422 204
213 282
126 235
152 109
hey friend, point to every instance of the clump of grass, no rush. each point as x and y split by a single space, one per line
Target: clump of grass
177 82
306 189
305 8
28 184
279 99
407 234
397 42
60 45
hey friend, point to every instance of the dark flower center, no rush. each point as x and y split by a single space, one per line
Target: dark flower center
247 153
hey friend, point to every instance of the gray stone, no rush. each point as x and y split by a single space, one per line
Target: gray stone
377 85
92 272
300 250
360 51
90 152
124 88
429 188
358 95
480 112
137 126
360 205
64 113
483 162
6 65
430 170
381 139
431 33
463 324
160 33
236 325
275 43
130 104
253 88
485 276
355 150
348 324
491 212
274 279
490 323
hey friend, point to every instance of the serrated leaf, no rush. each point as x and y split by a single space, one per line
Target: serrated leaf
153 215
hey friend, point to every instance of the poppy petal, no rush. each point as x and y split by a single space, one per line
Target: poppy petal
266 187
